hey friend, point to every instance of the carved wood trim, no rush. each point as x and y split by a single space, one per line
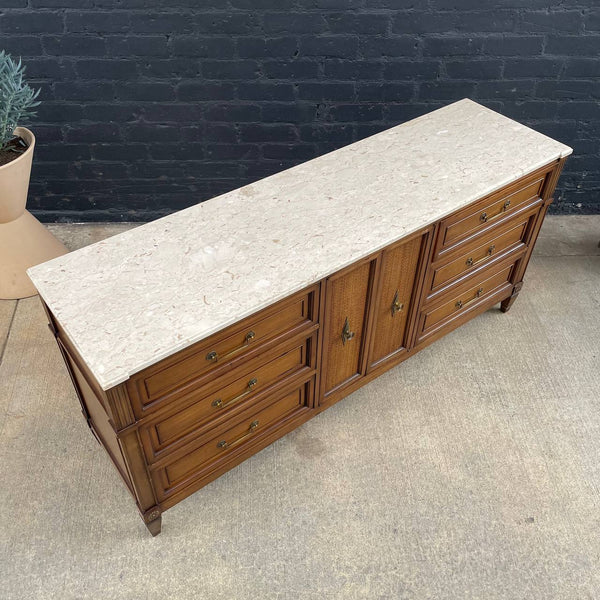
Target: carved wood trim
151 514
120 405
135 460
552 181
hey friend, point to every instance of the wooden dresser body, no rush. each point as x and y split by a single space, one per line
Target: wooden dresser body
176 425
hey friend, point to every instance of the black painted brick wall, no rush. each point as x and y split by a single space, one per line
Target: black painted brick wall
151 106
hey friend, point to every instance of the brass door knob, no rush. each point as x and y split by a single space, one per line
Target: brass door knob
397 306
347 335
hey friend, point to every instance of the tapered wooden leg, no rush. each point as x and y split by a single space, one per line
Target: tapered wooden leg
506 304
154 526
153 520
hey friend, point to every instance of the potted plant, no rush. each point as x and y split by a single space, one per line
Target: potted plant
17 101
24 241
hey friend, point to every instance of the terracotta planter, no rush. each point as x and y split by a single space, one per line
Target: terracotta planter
24 241
14 180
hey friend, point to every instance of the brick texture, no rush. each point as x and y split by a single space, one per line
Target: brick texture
149 107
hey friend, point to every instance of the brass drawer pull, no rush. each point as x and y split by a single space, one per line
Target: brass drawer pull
461 304
470 262
214 356
218 403
483 217
223 444
396 306
347 335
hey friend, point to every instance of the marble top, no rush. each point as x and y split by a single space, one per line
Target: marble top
131 300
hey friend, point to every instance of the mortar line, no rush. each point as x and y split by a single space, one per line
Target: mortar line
5 340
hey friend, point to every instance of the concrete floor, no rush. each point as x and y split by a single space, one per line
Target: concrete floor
472 470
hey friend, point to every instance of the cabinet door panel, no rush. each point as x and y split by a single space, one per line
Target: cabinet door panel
394 300
346 313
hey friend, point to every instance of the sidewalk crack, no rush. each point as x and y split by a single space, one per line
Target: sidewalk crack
4 342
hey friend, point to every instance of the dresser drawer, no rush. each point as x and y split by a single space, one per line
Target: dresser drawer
222 351
253 429
246 386
489 212
490 284
479 254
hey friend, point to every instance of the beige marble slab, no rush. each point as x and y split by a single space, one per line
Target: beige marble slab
140 296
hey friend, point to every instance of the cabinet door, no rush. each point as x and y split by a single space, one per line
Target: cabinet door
394 300
345 324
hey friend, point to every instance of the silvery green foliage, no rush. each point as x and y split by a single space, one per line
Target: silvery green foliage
17 99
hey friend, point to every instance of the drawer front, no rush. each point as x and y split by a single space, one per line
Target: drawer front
490 211
243 436
246 386
479 291
223 351
478 254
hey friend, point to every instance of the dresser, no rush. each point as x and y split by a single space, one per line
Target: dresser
197 340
